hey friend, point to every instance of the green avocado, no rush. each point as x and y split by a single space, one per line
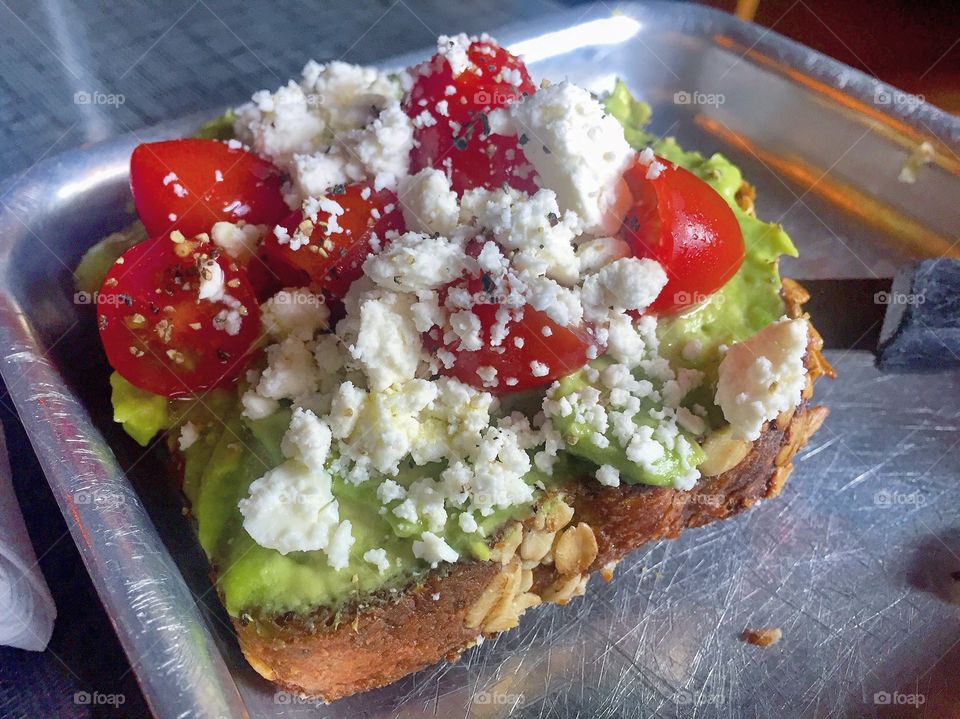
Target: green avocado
141 413
219 128
97 261
232 451
578 436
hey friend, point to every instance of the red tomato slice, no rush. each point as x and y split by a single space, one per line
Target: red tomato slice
188 185
269 274
156 331
333 260
453 134
535 352
684 224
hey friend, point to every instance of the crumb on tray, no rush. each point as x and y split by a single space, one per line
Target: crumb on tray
762 637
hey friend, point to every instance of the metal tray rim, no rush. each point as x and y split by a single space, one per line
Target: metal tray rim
72 451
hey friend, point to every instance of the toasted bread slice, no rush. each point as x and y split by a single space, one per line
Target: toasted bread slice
574 532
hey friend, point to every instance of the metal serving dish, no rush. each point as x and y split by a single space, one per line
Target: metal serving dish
853 561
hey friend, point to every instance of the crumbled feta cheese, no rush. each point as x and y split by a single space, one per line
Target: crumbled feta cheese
453 48
692 350
345 407
238 241
389 490
539 369
629 283
488 375
467 523
434 549
212 286
384 146
414 262
291 508
280 125
338 552
599 252
429 205
307 439
294 313
763 376
188 435
466 326
388 343
315 174
342 124
291 371
257 406
378 558
578 151
534 227
608 476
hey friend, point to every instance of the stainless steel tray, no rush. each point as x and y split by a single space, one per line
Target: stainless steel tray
853 561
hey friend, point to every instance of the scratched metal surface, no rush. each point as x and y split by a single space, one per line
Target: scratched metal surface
853 562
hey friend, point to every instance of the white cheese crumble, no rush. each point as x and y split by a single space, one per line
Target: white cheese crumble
291 508
238 241
577 150
608 476
415 261
341 123
453 48
434 549
629 283
297 313
388 344
378 558
188 436
212 286
429 205
763 376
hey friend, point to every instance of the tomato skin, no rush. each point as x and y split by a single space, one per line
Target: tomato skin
684 224
460 140
333 260
561 349
179 179
269 274
156 331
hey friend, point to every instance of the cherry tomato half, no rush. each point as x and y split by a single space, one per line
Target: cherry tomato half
535 351
684 224
339 243
157 331
449 113
190 184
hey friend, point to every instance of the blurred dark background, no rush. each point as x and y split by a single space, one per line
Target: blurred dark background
169 59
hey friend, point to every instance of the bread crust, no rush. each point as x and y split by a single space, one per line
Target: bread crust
547 558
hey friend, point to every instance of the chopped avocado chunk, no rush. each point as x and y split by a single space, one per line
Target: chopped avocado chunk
96 262
219 128
631 113
141 413
581 440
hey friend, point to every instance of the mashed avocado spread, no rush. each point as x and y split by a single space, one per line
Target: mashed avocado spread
234 451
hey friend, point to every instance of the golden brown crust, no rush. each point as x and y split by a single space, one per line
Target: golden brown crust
546 559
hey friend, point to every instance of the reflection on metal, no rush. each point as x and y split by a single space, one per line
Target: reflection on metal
606 31
863 206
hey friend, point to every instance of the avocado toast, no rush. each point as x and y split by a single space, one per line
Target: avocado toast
432 348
